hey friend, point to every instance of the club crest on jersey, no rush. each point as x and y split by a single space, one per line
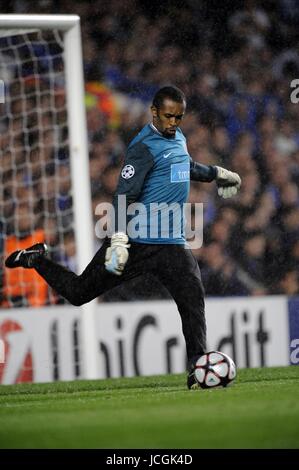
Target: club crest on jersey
127 172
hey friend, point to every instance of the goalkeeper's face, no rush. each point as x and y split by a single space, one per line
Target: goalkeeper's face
168 117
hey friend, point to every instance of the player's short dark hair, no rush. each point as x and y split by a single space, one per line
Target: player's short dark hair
168 92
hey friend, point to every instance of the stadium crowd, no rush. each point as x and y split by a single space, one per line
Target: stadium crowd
235 64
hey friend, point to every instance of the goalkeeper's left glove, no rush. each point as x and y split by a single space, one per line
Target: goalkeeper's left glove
227 181
117 253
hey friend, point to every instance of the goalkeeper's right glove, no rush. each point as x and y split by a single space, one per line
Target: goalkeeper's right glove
117 254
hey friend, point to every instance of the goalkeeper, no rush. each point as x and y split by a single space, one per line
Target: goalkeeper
157 169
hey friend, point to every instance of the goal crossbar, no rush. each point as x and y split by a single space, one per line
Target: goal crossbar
61 22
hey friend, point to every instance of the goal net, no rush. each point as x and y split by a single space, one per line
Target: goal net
45 188
36 200
36 184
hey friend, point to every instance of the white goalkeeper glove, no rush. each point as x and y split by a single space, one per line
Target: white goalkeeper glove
117 253
228 182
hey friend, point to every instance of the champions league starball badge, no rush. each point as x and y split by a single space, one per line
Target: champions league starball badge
127 172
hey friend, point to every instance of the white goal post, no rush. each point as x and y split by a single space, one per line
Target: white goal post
68 27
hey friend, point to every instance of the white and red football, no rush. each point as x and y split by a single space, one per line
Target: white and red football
214 369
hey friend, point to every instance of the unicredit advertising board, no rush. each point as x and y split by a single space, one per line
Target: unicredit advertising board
142 338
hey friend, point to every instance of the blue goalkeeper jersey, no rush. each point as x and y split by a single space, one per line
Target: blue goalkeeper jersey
155 179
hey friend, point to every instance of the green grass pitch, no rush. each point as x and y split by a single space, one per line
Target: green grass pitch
260 410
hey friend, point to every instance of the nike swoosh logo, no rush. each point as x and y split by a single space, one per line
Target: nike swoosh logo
167 155
19 254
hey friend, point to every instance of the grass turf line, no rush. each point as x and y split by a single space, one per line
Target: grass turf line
261 410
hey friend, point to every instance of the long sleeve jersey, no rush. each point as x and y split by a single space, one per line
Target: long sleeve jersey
156 175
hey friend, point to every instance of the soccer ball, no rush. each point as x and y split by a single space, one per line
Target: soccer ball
214 369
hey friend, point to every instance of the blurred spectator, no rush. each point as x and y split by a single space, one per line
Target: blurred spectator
285 142
67 256
221 145
250 24
236 74
251 258
23 285
219 273
289 282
